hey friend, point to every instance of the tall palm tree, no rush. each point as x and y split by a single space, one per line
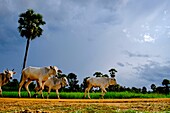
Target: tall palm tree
29 26
112 72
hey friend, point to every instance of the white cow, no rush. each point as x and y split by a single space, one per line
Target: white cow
5 78
39 74
55 83
102 82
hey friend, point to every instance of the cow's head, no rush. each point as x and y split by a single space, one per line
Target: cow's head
64 82
55 70
113 81
9 74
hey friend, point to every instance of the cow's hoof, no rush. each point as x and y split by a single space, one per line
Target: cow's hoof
35 95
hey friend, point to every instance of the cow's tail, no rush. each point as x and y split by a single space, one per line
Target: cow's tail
22 75
86 82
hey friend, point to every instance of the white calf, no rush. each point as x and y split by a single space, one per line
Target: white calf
56 84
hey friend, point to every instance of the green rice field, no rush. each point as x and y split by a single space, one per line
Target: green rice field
80 95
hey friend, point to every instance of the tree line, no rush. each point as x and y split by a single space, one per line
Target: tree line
74 85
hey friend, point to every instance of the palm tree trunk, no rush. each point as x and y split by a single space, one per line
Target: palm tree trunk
26 53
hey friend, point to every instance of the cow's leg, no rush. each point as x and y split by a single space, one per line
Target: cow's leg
41 90
103 92
0 92
57 94
41 93
87 90
49 90
41 87
20 86
85 93
88 93
37 87
26 87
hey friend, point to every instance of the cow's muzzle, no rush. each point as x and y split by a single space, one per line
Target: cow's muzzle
10 77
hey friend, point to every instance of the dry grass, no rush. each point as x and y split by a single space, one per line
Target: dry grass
84 105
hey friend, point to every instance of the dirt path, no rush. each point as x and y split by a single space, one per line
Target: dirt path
83 105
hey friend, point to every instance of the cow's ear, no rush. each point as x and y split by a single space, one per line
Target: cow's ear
5 71
14 72
59 71
51 67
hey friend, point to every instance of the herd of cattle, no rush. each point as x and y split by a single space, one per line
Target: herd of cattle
47 76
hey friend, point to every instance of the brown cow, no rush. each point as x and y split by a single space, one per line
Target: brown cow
5 78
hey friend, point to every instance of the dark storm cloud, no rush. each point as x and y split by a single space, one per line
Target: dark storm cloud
129 64
124 64
120 64
130 54
9 36
153 71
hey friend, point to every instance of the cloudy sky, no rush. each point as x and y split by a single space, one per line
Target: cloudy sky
86 36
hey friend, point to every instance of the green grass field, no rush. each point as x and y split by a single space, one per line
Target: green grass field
80 95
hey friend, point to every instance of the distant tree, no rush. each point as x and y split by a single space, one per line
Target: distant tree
98 74
165 83
161 90
11 86
15 83
153 87
112 72
144 90
122 88
136 90
105 75
114 87
29 26
73 82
